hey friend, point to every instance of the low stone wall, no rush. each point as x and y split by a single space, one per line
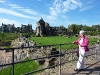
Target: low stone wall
5 43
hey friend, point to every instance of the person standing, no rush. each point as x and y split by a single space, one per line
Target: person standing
98 45
82 42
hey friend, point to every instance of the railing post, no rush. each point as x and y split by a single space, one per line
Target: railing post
72 52
60 60
96 52
97 49
12 61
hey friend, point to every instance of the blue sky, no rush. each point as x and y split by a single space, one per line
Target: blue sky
55 12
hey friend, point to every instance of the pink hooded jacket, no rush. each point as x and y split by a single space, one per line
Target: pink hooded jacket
84 44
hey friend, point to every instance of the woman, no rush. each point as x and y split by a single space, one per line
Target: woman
83 48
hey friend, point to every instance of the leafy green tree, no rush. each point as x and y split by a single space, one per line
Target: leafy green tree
74 28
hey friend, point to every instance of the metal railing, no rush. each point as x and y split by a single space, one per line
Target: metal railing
60 55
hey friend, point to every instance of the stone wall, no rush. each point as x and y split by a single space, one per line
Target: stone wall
43 29
5 43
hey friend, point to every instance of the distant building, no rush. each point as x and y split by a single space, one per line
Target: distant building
57 30
8 28
43 29
26 28
18 29
0 29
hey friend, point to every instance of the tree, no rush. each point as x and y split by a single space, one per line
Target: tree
74 28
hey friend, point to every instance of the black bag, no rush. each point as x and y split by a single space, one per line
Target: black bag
77 53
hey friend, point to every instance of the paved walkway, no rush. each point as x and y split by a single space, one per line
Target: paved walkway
92 67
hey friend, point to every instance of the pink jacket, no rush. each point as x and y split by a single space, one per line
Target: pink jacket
84 44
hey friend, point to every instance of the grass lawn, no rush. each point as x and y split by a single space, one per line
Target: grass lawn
52 40
21 68
7 38
4 37
57 40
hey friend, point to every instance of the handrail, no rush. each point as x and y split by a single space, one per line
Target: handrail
49 56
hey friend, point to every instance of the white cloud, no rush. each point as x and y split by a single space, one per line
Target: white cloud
29 11
54 18
16 23
8 21
53 11
10 12
23 9
2 1
84 21
86 8
89 2
71 5
60 6
64 16
39 0
50 19
36 16
88 5
14 6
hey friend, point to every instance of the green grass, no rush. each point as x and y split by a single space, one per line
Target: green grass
7 37
57 40
52 40
21 68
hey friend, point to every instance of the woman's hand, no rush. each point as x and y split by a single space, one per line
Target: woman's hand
73 42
